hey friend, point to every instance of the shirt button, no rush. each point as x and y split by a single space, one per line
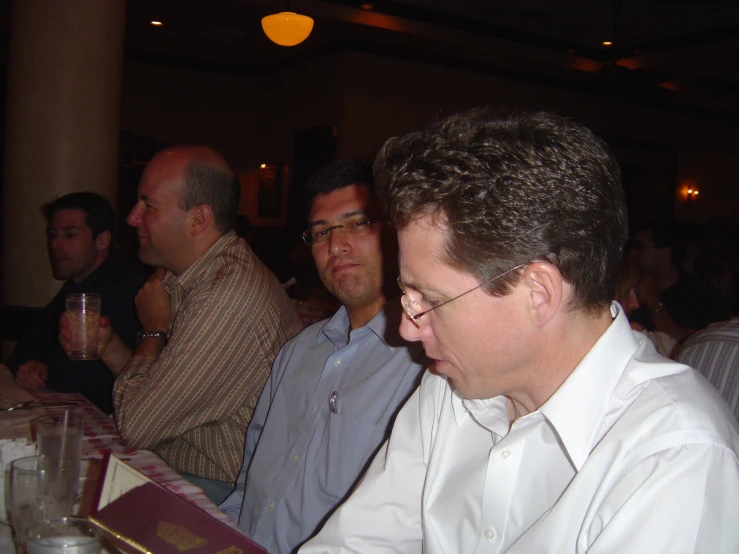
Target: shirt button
505 453
489 534
337 362
295 457
315 408
271 505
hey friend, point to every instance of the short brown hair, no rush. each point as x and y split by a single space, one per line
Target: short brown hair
512 189
215 185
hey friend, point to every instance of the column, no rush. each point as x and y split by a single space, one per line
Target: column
62 125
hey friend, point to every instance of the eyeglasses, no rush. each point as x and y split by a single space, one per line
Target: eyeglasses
354 226
413 309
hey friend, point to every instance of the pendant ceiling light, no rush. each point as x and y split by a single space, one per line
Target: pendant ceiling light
287 28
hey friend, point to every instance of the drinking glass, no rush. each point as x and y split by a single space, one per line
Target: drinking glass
66 535
83 314
59 437
38 490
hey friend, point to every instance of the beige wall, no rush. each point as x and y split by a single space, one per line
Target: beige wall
179 106
372 98
389 97
250 120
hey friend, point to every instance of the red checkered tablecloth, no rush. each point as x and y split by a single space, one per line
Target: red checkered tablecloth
101 436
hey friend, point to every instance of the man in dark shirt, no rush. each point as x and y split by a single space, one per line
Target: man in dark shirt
671 300
79 235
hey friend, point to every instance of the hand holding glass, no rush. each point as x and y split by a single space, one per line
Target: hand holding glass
83 314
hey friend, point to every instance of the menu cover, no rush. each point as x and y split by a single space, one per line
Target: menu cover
145 517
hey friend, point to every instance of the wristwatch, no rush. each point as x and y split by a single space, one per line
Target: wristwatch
658 307
144 334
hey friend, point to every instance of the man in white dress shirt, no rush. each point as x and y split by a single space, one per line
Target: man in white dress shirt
545 424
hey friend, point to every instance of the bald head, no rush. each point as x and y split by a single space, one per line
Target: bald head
206 180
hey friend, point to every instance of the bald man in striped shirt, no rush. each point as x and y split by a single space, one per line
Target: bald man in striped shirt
214 318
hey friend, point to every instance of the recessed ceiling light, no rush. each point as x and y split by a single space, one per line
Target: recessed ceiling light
156 23
607 43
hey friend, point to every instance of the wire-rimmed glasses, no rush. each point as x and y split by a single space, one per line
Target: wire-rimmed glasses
413 309
353 226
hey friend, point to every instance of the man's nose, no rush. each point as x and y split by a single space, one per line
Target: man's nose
338 242
134 216
409 330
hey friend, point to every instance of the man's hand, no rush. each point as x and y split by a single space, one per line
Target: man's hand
646 291
648 295
32 375
105 334
152 303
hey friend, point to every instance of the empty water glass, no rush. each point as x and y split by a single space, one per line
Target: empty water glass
59 437
67 535
38 490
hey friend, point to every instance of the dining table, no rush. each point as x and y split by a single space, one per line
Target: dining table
100 437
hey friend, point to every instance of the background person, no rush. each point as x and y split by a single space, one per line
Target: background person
79 239
335 388
671 300
213 320
714 352
628 280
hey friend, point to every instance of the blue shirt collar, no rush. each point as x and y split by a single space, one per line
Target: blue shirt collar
385 324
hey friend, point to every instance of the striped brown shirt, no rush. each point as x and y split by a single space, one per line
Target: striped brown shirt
192 404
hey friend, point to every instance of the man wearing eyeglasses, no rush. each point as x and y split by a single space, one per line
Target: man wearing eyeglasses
334 388
545 424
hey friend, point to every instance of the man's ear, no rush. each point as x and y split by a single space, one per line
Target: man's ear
200 219
103 240
545 291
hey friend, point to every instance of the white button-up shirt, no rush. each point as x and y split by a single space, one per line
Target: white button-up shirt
633 453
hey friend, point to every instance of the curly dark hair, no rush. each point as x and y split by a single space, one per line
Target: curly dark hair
509 189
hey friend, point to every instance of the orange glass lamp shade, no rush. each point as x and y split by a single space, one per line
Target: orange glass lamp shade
287 28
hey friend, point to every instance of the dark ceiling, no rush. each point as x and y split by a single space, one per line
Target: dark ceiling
676 54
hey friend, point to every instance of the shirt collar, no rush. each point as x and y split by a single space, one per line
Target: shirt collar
385 325
491 413
577 408
198 270
99 274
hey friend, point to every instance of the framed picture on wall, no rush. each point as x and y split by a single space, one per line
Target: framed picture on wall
269 190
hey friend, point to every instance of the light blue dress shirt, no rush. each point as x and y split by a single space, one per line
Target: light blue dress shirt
325 410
